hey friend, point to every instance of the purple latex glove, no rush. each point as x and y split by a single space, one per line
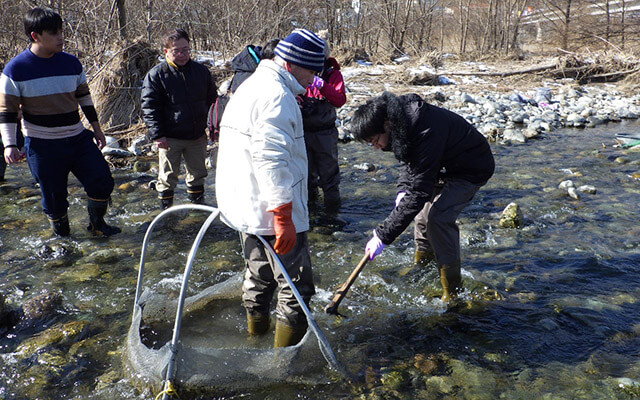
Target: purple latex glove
318 83
374 246
399 197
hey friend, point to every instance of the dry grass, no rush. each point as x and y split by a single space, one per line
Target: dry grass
116 87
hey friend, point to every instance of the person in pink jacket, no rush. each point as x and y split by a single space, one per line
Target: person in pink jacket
319 103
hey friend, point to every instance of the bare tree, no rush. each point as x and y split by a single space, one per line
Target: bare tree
560 15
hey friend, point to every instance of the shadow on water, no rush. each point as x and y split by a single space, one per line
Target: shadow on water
550 309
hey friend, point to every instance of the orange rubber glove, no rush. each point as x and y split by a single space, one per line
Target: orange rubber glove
285 230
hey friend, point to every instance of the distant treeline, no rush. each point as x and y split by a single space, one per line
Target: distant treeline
379 29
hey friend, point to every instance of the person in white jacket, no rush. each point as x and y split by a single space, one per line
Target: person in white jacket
261 183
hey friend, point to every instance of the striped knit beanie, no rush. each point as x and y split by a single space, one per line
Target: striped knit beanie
302 48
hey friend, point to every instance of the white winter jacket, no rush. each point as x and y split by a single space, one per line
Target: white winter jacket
262 161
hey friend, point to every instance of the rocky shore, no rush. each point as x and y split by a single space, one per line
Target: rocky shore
505 109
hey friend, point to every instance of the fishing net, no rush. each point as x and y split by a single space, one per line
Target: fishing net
210 365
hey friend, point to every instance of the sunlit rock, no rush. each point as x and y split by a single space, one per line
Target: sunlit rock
587 189
80 273
128 187
511 216
573 193
57 334
514 135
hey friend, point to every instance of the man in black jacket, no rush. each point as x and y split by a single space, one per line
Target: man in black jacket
445 160
176 96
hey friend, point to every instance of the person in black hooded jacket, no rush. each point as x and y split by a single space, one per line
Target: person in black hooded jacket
445 160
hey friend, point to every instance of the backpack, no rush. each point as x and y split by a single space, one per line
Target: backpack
243 65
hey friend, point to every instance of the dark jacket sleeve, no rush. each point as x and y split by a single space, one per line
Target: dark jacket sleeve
153 97
417 179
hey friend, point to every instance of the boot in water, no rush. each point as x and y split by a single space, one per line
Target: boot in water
97 226
287 335
451 281
60 225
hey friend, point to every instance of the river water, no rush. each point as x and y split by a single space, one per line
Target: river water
551 310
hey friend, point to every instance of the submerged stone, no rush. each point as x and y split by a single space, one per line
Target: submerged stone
81 273
41 305
57 334
394 379
107 256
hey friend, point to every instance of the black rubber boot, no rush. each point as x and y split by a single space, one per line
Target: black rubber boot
166 199
196 194
60 225
332 198
313 194
97 210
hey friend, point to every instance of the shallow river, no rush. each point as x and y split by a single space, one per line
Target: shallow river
551 310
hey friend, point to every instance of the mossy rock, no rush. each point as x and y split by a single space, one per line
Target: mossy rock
511 216
81 273
56 335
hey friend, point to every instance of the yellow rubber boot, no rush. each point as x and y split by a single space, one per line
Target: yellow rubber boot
257 324
423 257
451 281
287 335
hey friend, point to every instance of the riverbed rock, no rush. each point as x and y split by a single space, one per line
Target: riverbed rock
514 135
107 379
573 193
80 273
367 167
394 380
41 305
587 189
141 166
511 216
566 184
128 187
106 256
59 334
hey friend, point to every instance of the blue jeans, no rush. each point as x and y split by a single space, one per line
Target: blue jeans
51 160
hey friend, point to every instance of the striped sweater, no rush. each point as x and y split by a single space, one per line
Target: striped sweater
48 91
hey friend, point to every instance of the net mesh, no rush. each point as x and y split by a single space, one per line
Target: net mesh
211 364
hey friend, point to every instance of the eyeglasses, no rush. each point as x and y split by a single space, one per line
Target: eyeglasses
175 52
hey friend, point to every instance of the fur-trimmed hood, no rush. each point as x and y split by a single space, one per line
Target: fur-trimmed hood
400 124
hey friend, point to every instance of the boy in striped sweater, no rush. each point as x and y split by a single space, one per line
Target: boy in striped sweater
47 85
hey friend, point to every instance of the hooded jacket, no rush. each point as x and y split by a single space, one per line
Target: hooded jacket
262 160
431 143
243 65
176 100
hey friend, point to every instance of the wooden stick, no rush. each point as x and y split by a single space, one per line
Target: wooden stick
332 308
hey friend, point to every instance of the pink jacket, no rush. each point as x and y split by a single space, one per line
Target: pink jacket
333 89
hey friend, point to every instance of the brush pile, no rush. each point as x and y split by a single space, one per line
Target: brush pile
116 87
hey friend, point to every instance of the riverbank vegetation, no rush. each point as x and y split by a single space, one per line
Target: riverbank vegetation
117 41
